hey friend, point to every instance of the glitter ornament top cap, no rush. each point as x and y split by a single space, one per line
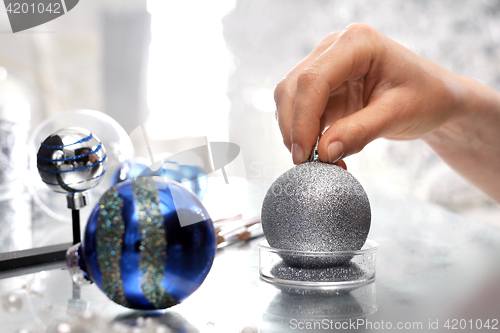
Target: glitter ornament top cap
313 157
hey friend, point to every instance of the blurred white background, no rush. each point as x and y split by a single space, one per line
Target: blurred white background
206 70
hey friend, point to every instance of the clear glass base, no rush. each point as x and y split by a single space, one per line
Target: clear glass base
338 270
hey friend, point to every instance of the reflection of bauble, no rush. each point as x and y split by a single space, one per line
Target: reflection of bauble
316 207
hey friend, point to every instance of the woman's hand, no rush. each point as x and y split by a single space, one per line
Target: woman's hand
360 86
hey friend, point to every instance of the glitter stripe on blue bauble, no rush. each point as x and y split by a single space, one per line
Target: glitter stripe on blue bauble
109 238
189 254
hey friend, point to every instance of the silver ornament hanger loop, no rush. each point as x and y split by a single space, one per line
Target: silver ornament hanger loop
313 157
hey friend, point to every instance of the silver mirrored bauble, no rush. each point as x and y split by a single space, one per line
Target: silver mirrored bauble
317 207
71 160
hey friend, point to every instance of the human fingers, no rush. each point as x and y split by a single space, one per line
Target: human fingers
284 94
344 101
341 164
349 135
352 56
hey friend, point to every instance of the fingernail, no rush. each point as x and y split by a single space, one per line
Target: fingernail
335 151
297 153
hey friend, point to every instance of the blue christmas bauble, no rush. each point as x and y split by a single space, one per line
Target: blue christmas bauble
148 244
195 179
191 177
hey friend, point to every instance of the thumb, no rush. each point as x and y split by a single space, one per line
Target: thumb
349 135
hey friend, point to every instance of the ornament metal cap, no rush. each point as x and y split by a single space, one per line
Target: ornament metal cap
77 200
313 157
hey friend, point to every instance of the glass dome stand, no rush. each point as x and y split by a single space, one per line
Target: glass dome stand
45 254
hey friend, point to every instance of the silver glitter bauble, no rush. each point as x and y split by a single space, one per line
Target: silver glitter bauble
71 160
316 207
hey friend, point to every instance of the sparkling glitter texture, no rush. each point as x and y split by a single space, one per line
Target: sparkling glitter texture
340 273
153 244
316 207
109 235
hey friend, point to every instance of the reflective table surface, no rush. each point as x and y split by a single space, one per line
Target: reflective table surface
435 271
